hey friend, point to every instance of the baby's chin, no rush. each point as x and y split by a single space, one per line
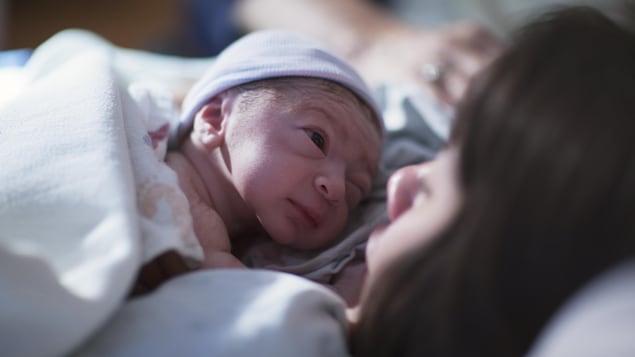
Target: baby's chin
294 232
306 241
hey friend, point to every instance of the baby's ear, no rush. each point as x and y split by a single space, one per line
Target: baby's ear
209 127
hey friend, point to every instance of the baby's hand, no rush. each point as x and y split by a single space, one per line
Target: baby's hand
208 225
212 234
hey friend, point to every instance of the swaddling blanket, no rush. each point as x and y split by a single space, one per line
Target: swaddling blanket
69 237
85 198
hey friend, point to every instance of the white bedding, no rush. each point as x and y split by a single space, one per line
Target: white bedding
70 232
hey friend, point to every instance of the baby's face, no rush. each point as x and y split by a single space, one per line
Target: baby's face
302 162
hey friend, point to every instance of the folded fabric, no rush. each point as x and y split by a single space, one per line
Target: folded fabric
68 232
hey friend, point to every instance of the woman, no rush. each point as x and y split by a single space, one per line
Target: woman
533 198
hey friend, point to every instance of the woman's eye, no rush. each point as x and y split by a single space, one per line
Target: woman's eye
317 138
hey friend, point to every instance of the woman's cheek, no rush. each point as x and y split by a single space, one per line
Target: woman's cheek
388 243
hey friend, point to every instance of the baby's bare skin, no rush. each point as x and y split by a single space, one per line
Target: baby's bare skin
208 225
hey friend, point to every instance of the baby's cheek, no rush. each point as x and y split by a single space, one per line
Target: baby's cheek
252 179
353 197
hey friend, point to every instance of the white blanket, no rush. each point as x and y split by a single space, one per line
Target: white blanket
68 232
84 199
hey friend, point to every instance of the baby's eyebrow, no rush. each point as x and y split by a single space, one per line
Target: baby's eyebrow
368 165
332 120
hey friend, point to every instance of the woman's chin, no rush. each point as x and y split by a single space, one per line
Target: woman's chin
374 239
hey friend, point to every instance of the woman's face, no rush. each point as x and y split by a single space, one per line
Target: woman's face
422 200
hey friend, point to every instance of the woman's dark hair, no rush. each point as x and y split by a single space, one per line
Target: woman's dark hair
547 171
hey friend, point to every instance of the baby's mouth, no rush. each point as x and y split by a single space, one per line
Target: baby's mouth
311 217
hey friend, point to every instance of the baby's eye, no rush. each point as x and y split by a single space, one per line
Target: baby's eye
317 138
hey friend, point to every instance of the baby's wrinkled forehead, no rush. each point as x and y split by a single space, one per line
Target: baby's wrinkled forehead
315 93
343 96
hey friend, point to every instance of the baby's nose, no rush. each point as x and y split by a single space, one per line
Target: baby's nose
331 185
403 186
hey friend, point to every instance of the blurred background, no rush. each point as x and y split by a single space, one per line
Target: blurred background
203 27
129 23
174 25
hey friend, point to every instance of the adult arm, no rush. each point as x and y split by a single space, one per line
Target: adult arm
381 46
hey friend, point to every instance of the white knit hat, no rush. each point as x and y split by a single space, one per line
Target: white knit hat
270 54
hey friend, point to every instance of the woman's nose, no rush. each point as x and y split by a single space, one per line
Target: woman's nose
403 187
